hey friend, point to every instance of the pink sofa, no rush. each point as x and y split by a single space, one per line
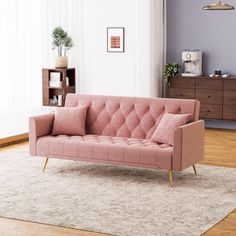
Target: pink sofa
118 131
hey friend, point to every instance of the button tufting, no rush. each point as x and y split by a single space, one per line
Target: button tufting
112 141
125 117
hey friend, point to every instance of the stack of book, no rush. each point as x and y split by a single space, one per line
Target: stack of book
55 80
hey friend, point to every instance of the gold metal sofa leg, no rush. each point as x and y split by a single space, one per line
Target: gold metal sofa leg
194 168
45 164
170 178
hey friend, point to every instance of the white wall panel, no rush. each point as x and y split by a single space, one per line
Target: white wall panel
26 29
134 72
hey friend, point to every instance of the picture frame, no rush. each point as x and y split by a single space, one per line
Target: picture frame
116 39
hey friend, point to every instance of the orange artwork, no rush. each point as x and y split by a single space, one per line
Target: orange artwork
115 41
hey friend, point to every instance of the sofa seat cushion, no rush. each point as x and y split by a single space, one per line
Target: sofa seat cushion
105 148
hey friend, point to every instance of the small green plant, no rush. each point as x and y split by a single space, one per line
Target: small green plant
61 41
171 70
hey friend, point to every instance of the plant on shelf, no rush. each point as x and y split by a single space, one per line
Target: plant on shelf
171 70
62 42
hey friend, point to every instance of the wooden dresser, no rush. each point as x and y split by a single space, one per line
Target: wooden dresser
217 95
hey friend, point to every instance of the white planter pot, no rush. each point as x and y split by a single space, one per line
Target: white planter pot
61 62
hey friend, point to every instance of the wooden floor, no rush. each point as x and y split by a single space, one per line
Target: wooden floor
227 227
4 142
220 150
11 227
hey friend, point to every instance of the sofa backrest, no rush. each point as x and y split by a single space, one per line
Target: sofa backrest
131 117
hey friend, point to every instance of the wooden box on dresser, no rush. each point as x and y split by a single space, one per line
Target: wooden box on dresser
217 95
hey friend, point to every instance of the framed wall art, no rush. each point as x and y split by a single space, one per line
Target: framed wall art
115 39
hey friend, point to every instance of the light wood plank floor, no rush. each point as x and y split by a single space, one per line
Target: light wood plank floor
220 150
12 227
227 227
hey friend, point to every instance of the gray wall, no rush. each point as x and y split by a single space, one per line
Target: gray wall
213 32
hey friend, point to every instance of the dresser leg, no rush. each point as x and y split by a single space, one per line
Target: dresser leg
194 168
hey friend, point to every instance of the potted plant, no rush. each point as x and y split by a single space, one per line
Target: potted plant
62 42
171 70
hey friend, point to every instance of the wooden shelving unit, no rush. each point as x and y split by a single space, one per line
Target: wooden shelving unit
67 85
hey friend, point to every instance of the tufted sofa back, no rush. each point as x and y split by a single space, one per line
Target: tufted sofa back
130 117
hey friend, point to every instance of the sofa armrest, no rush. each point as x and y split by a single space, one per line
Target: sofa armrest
188 147
39 126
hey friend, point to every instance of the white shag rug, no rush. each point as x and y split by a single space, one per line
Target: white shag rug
116 200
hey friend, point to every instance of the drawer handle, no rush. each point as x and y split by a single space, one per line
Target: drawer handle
181 95
208 111
208 96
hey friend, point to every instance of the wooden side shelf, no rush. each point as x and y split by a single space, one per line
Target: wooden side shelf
67 84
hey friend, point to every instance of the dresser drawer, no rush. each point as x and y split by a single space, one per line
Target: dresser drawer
181 93
208 111
230 97
229 112
230 84
209 96
182 83
209 83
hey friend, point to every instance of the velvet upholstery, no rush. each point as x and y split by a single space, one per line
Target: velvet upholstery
188 145
118 131
164 132
70 120
39 126
107 148
127 116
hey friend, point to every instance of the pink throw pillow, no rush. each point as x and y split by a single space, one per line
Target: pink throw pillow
164 132
70 121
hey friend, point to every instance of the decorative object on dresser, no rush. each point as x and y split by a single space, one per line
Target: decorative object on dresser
192 62
217 95
171 70
63 43
218 73
56 84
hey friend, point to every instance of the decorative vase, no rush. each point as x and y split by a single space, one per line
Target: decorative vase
61 62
